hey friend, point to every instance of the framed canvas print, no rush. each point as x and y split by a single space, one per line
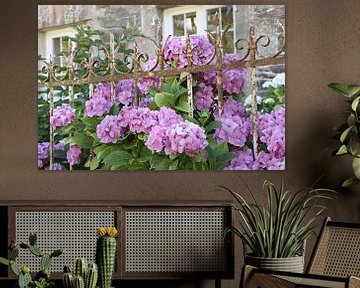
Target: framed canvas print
161 87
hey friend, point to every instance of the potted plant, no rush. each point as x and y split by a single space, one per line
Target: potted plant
349 132
25 280
276 233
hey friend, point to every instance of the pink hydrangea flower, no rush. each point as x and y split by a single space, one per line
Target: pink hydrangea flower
62 116
145 83
205 97
109 129
175 50
73 156
124 92
235 126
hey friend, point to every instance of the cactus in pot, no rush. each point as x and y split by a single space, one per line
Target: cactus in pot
42 278
106 254
85 275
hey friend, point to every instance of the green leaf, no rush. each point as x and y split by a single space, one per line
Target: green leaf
82 140
103 150
345 134
92 122
355 103
349 182
340 88
211 126
342 150
115 109
164 99
4 261
118 158
356 167
95 162
353 89
183 105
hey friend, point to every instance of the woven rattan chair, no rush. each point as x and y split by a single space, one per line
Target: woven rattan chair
334 263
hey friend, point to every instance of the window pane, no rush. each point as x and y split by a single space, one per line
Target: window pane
64 44
227 17
56 46
211 19
191 23
178 25
228 42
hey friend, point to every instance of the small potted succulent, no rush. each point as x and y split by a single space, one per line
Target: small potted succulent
274 234
348 133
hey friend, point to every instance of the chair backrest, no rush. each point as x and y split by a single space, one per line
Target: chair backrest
337 251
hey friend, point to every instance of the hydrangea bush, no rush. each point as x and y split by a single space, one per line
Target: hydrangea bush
160 134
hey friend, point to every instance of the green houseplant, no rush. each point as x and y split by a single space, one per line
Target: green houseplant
348 133
275 233
42 278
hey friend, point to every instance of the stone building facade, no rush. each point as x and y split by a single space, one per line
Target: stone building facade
55 21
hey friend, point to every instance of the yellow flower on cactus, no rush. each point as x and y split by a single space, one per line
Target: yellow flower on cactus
107 231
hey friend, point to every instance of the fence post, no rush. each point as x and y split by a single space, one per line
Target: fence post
189 80
136 75
219 56
51 111
71 77
112 67
160 54
254 111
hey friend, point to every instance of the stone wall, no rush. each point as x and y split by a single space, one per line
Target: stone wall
127 19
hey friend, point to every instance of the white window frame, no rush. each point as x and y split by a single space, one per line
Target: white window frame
201 17
57 33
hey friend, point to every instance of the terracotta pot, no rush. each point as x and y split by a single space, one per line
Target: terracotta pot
291 264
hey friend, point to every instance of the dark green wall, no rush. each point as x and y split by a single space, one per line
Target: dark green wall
323 46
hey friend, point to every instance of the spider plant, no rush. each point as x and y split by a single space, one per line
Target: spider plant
280 229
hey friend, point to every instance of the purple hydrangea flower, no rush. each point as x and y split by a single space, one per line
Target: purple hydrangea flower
233 79
175 50
103 90
58 166
157 138
109 129
97 106
124 92
73 156
168 116
185 137
265 161
43 150
138 119
146 101
62 116
174 135
244 160
205 97
60 145
272 131
145 83
235 126
40 163
100 103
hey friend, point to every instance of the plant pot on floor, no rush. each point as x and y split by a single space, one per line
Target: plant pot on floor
290 264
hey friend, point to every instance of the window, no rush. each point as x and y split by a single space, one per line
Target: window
188 20
227 24
56 41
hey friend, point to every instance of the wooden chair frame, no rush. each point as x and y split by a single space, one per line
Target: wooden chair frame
255 277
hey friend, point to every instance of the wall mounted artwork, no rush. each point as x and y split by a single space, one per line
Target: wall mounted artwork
161 88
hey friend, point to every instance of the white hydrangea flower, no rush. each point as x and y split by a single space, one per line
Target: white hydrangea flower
278 80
